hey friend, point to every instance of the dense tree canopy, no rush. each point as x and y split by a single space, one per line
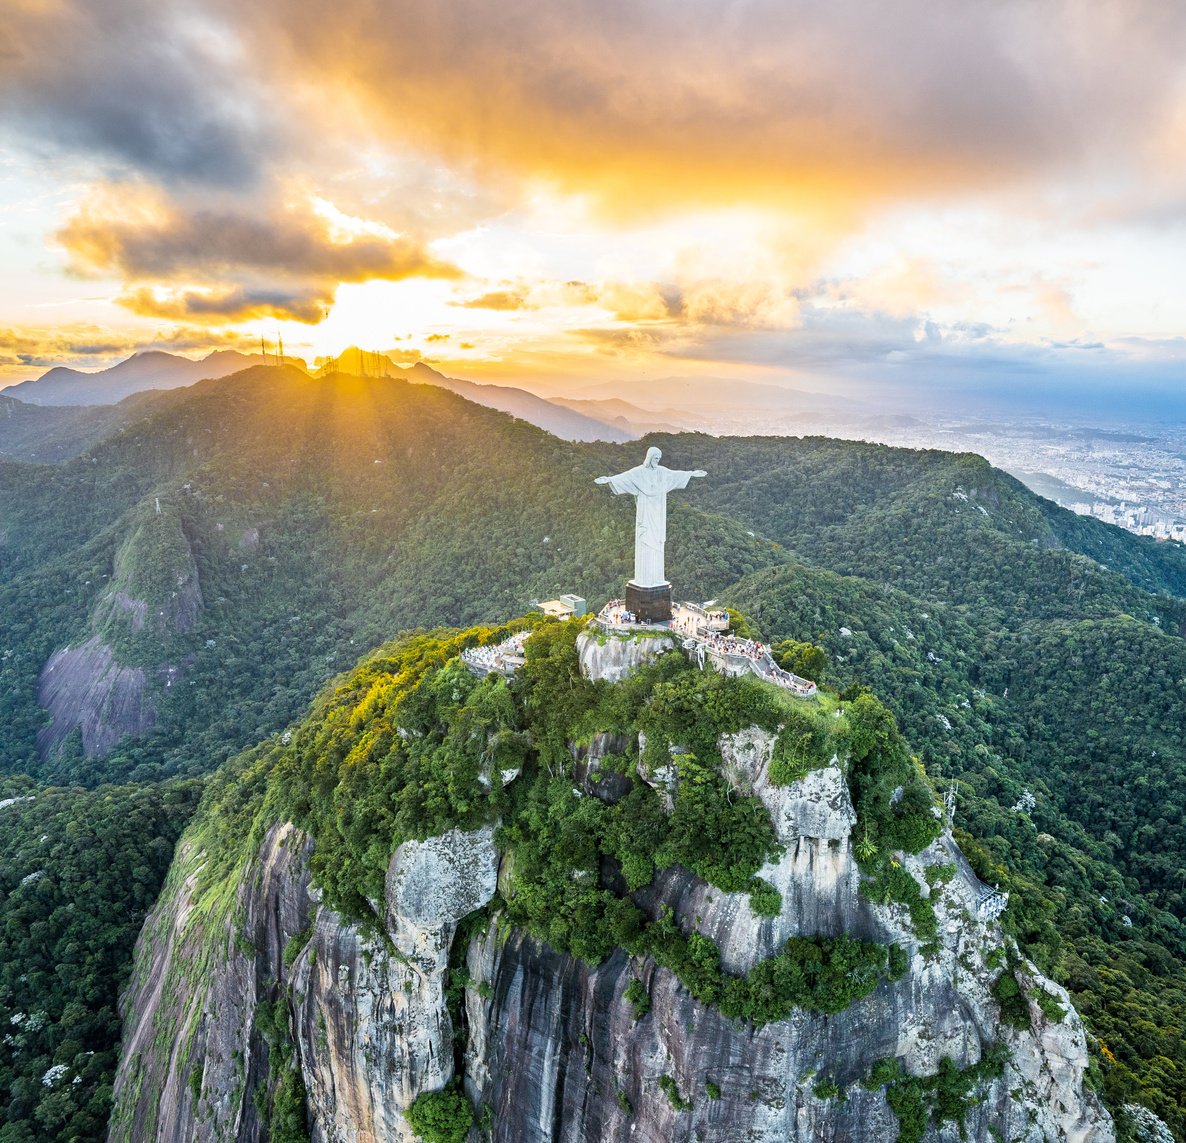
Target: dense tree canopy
79 870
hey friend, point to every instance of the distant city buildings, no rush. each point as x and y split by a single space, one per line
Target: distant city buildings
1139 519
1132 476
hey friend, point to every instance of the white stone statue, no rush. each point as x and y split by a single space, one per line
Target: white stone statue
649 484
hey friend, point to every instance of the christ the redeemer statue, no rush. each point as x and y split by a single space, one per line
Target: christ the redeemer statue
649 484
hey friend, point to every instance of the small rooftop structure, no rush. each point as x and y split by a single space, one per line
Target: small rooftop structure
991 903
566 607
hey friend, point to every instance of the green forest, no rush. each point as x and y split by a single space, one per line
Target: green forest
79 870
245 541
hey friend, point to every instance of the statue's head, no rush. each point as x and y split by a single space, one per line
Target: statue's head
653 457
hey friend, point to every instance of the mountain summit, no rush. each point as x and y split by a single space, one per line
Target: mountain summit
679 906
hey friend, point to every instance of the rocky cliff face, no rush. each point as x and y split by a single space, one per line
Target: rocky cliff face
552 1042
366 1010
191 1054
85 688
612 658
551 1047
106 686
372 1027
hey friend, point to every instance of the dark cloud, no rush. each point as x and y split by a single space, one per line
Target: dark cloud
159 239
239 303
787 101
183 339
621 340
234 263
155 87
642 107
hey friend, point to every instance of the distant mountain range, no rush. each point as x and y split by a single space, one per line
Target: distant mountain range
50 436
152 370
614 411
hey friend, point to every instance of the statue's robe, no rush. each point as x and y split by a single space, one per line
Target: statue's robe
649 487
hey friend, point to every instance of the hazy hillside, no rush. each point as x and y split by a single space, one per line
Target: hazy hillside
631 418
150 370
47 434
708 404
556 417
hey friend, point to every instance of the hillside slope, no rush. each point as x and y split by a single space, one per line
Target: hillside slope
47 434
79 870
674 933
254 533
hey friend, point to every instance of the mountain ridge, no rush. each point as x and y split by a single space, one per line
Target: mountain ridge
155 370
303 543
150 369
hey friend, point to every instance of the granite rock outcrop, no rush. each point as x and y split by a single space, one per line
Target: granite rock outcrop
551 1047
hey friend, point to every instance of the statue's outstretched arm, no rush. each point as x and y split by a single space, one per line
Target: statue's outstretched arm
699 472
603 480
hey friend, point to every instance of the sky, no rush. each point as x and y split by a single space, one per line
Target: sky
943 199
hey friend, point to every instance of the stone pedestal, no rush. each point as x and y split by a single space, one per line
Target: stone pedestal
649 604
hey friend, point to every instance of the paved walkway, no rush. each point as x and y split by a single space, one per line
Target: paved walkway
704 639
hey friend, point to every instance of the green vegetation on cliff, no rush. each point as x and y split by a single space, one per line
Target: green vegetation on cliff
411 744
1085 715
441 1117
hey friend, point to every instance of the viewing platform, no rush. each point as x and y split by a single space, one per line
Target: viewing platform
503 658
703 638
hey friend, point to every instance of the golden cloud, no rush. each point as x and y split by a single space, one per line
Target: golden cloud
37 346
816 108
142 234
497 300
237 304
231 263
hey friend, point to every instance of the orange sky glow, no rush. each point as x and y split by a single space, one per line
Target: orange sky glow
546 195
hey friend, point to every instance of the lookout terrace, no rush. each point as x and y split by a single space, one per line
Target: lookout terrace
704 638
